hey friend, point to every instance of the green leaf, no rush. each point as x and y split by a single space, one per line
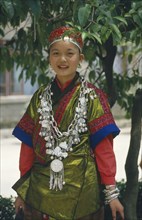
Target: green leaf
2 66
138 40
33 79
8 6
95 27
35 6
89 53
91 76
137 20
105 33
137 5
97 37
21 75
119 18
84 35
83 14
133 35
42 79
140 13
1 32
100 17
130 58
116 30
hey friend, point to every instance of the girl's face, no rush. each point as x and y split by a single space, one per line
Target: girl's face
64 58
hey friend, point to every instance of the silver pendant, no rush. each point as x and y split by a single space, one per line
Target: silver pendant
56 174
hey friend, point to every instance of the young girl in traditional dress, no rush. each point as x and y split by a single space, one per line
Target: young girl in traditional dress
67 133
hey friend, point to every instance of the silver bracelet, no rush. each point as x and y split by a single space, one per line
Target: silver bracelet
111 193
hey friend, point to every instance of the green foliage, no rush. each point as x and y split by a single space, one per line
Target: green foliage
31 21
127 90
35 7
83 14
9 9
7 210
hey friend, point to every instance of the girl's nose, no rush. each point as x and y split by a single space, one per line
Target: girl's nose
63 58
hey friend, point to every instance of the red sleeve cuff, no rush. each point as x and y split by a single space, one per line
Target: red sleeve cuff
105 160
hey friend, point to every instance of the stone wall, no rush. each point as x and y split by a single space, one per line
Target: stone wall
12 108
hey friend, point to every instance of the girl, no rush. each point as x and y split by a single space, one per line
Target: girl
67 136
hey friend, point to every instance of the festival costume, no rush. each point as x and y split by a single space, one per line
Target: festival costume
81 176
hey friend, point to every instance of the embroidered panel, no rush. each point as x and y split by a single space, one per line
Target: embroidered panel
26 124
107 118
100 122
39 144
63 104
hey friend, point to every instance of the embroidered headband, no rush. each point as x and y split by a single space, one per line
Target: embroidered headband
66 34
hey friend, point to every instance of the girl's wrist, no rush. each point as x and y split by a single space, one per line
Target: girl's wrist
111 192
110 187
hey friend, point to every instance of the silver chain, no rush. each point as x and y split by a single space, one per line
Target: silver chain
59 143
47 97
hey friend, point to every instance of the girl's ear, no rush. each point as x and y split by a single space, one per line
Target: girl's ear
81 57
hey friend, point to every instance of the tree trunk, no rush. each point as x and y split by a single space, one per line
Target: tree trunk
108 61
131 167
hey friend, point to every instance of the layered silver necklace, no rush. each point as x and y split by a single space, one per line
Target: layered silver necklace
58 144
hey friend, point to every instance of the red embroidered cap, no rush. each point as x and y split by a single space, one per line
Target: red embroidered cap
66 33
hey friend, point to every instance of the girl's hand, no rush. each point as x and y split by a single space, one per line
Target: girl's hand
19 204
116 207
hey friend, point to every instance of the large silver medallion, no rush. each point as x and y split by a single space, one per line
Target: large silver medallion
56 166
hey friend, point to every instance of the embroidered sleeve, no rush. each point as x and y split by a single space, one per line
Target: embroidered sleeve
25 128
100 119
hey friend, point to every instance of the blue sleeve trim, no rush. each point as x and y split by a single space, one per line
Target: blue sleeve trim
23 136
102 133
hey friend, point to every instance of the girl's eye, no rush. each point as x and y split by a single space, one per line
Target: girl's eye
55 53
70 53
